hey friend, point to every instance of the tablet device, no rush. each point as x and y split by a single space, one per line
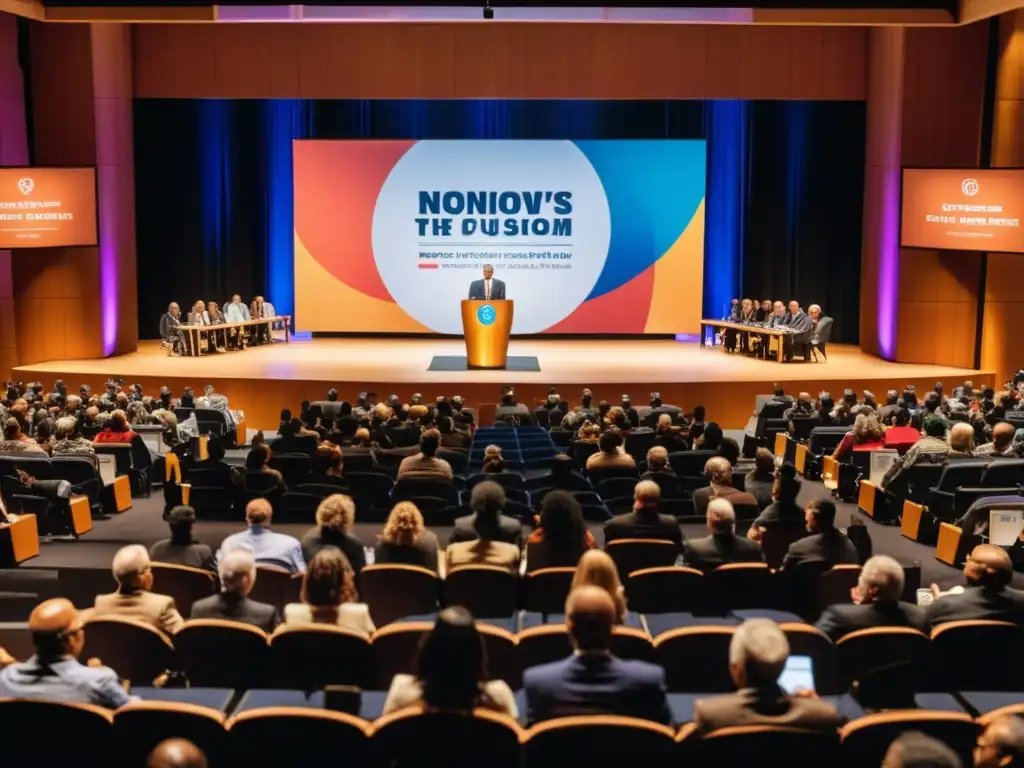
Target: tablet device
798 674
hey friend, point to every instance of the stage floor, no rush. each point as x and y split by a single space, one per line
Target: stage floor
263 380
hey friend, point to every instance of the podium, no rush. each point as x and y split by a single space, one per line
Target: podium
486 326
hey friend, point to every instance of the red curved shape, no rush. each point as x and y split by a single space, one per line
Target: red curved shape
623 310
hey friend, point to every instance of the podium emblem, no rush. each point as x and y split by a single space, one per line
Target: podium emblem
486 314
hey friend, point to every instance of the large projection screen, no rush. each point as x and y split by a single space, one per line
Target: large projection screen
47 207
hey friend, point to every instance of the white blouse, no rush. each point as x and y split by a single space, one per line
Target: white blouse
351 616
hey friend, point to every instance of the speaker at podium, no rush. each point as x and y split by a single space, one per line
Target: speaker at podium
486 326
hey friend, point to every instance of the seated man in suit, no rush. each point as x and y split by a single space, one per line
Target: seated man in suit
826 544
822 328
487 501
723 545
644 522
488 288
237 571
133 599
1001 743
876 602
55 672
986 595
757 656
801 328
182 548
720 471
592 681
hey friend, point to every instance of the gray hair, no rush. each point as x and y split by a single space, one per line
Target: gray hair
721 516
73 401
102 418
647 491
759 648
237 566
130 562
66 426
884 575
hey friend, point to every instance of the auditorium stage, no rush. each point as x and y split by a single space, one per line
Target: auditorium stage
262 380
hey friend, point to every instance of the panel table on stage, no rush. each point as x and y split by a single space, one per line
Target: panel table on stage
773 334
196 332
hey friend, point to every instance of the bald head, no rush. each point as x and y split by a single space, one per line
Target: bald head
1001 743
1002 435
989 566
590 613
176 753
56 629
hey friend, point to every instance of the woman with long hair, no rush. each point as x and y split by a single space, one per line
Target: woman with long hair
329 595
597 568
406 540
451 671
561 535
867 435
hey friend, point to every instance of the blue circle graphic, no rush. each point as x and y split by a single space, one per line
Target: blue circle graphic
485 314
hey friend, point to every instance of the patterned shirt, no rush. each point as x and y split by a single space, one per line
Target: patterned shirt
77 446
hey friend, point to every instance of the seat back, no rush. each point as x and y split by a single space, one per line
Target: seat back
545 590
543 645
958 666
486 591
1004 473
696 659
410 488
825 439
394 648
690 463
312 656
74 469
184 584
70 726
805 640
599 740
963 472
394 591
415 737
637 554
866 739
276 586
834 585
867 652
297 507
745 745
294 467
138 651
224 654
141 725
667 589
297 736
739 585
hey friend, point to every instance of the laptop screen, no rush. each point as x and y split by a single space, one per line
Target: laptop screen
798 674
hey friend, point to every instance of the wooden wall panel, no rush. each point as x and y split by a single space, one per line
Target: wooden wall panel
62 90
509 60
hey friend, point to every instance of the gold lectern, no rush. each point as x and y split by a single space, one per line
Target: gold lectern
486 325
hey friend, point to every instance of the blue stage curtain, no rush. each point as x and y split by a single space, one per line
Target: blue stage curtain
214 187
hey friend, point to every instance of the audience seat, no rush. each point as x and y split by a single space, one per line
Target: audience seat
396 591
415 737
543 645
211 503
141 725
297 507
309 657
866 739
739 585
394 648
834 585
545 590
1004 473
136 650
599 741
696 659
409 488
615 487
487 591
744 745
276 586
51 733
371 492
224 654
866 653
805 640
184 584
274 737
776 540
637 554
959 664
670 589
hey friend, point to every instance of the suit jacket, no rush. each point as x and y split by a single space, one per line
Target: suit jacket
198 318
149 607
977 603
822 331
702 496
483 552
643 525
708 553
233 608
596 684
833 549
478 292
764 706
472 527
837 621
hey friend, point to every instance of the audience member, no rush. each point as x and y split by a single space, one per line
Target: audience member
611 454
729 450
667 436
986 594
759 481
1000 743
592 681
117 429
722 546
406 540
451 671
913 749
657 462
258 476
334 520
176 753
961 440
452 438
15 442
329 595
710 439
237 571
276 550
133 599
54 672
644 522
487 502
182 548
867 435
597 568
930 449
720 471
876 602
757 655
493 462
564 477
327 467
69 441
561 536
425 464
826 544
901 436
